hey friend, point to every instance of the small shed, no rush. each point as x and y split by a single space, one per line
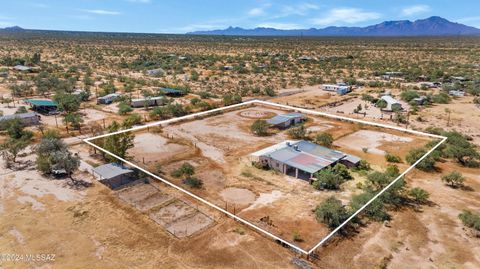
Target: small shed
108 99
392 104
27 119
43 106
3 74
113 175
286 120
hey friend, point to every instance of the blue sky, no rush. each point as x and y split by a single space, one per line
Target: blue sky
180 16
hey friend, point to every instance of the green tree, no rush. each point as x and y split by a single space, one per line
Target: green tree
375 210
297 132
331 212
118 144
453 178
327 179
324 139
427 164
260 128
418 195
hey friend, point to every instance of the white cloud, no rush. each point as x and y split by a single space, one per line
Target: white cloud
256 11
6 24
280 25
101 12
416 9
140 1
300 9
346 16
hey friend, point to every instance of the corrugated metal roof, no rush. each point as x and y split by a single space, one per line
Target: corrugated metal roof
351 158
303 155
111 170
38 102
284 118
169 90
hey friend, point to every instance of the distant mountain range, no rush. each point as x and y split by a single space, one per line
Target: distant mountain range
433 26
12 29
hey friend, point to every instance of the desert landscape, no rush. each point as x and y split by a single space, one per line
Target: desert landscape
218 150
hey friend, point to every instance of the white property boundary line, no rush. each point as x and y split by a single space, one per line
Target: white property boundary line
306 111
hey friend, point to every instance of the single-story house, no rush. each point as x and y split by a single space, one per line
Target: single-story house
27 119
286 120
340 88
392 104
108 99
301 159
113 175
172 92
151 101
42 106
156 72
456 93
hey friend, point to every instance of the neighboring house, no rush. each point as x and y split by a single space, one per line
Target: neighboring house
392 74
151 101
156 72
113 175
301 159
108 99
456 93
286 120
3 74
172 92
27 119
340 88
392 104
43 106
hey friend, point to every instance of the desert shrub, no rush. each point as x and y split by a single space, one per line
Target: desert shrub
124 108
260 128
331 212
418 195
454 179
427 164
193 182
470 219
375 210
327 179
297 132
409 95
391 158
324 139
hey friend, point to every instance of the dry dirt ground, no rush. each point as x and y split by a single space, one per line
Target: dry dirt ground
93 228
38 214
219 147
